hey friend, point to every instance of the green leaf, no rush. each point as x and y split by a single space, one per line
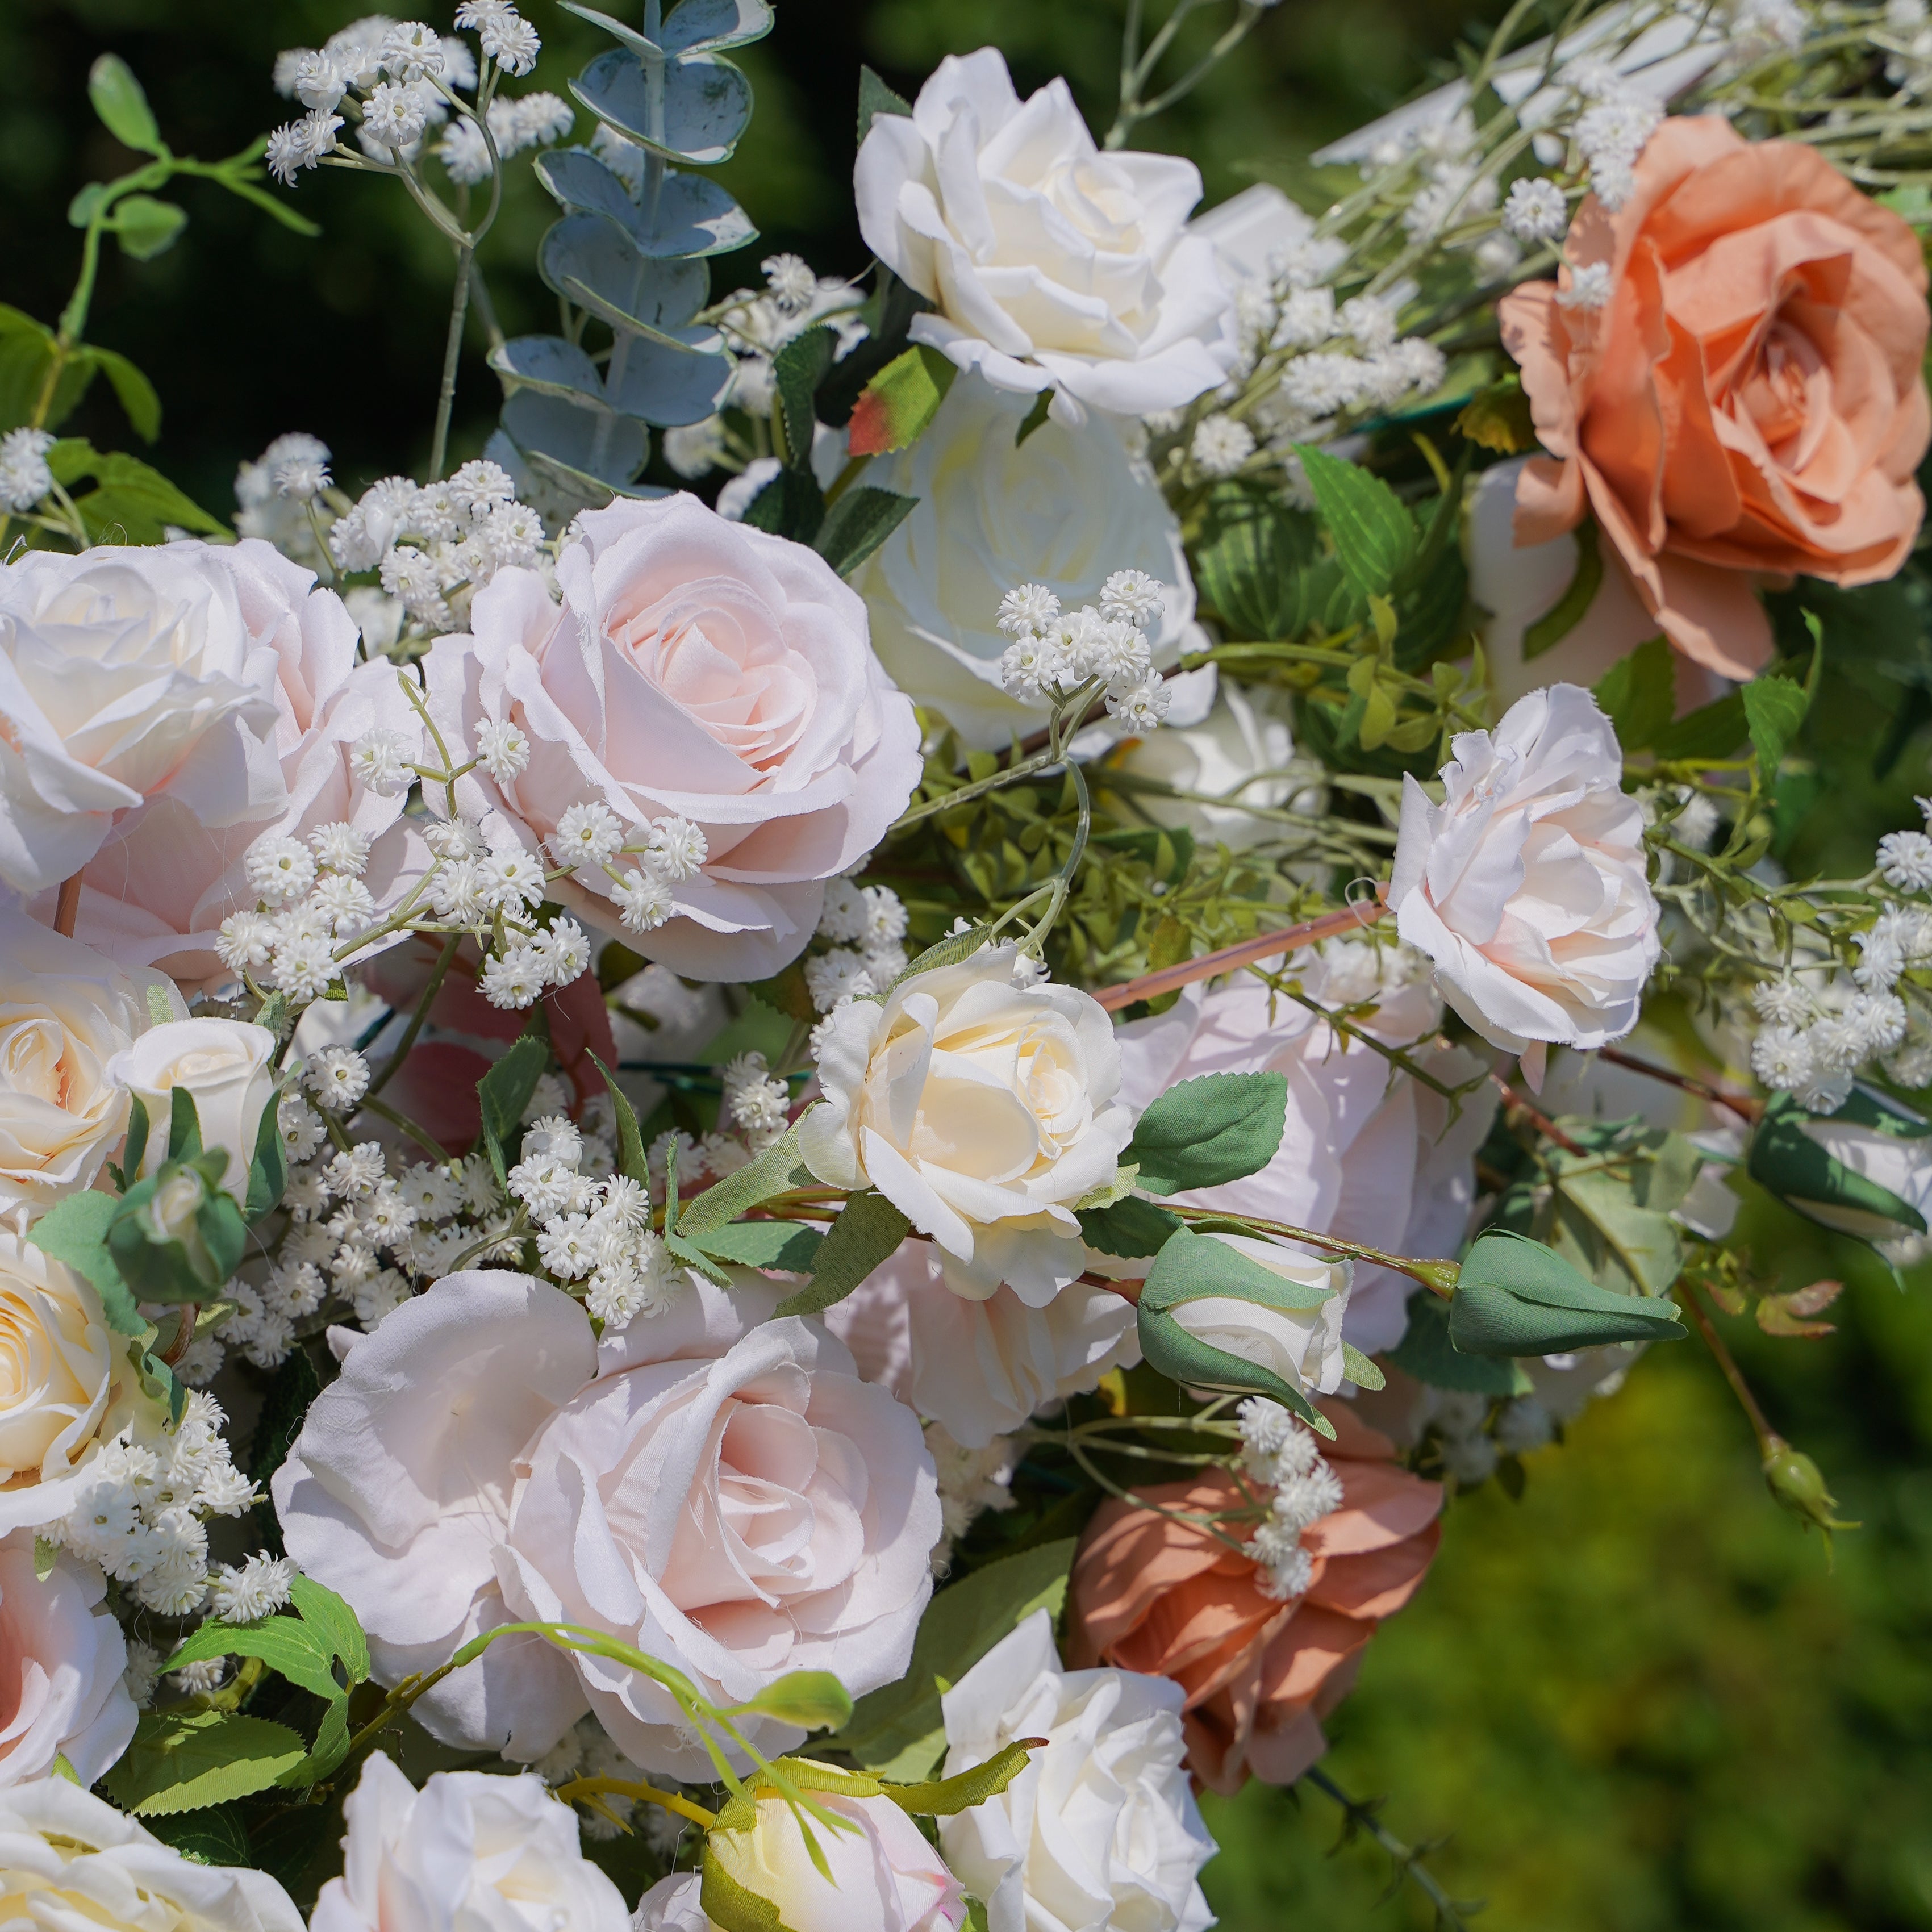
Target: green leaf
1712 731
1216 1128
948 952
858 523
330 1748
505 1092
131 502
1035 417
786 992
46 1556
75 1231
1426 1352
964 1788
730 1906
285 1644
333 1623
268 1172
797 370
145 227
876 98
763 1244
1774 708
218 1836
123 107
192 1264
184 1140
135 392
1357 1368
1127 1228
866 1234
248 191
1256 564
1555 624
1786 1161
633 1162
1374 535
962 1624
185 1760
1516 1297
1639 694
771 1171
895 407
814 1700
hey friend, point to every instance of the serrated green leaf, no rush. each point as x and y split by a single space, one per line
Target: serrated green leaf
286 1645
1128 1229
866 1234
895 407
1256 564
1374 534
943 1797
186 1760
1639 694
797 370
1774 708
783 1245
947 952
858 523
75 1231
1216 1128
633 1162
334 1623
876 98
771 1171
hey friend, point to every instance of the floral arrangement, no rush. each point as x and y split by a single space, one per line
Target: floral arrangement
763 1162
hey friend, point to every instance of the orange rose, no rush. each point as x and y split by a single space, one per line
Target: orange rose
1748 402
1155 1595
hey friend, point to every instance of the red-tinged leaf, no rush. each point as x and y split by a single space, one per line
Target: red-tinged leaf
1774 1316
1814 1300
895 405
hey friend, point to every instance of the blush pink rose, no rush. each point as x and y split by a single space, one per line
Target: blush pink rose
1748 403
697 670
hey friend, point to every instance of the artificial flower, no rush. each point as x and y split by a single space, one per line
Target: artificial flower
225 1066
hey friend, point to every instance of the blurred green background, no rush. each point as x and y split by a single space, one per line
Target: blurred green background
1635 1697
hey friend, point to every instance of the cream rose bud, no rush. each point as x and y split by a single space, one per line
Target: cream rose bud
981 1110
1303 1347
59 1360
65 1012
226 1065
1066 508
1526 887
125 674
885 1877
471 1848
1050 264
68 1859
61 1658
1101 1829
699 673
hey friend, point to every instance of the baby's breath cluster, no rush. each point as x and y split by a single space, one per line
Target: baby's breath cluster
1286 1458
1064 655
862 931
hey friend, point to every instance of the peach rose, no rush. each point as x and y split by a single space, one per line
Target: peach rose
1152 1593
1747 402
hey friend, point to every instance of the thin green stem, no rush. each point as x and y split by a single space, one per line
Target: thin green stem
438 973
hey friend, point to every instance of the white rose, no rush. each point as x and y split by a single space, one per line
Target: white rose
701 670
672 1905
982 1111
885 1877
68 1859
1237 752
167 876
62 1656
1367 1153
1526 886
59 1363
1101 1829
65 1012
470 1850
806 1499
980 1368
1067 508
226 1065
125 674
1302 1347
1050 263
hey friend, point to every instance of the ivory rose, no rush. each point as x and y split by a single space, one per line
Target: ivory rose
58 1363
1100 1830
1301 1347
1367 1154
1527 887
69 1859
167 874
125 675
979 1368
62 1656
755 1509
982 1111
698 670
671 1905
885 1877
65 1012
1050 264
226 1066
1747 402
1067 508
1155 1592
470 1850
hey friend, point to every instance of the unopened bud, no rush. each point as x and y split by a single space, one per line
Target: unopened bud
1798 1485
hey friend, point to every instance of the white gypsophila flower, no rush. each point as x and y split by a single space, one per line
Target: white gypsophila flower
1837 1043
246 940
587 835
1781 1058
834 977
675 849
302 1128
1535 211
1132 597
1905 859
515 980
347 904
1142 709
644 902
510 879
479 486
1782 1002
846 917
503 749
24 477
338 1076
339 848
569 1248
455 839
1028 611
257 1589
412 51
1496 257
513 43
301 144
1911 1066
790 279
1221 445
356 1174
278 868
1878 1021
1825 1092
301 478
394 117
1589 286
565 950
1881 961
695 449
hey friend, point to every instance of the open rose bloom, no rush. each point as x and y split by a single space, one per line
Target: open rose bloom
1748 405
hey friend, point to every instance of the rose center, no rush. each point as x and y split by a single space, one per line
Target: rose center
1780 395
33 1060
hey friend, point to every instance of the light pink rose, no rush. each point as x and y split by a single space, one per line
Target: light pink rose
1367 1154
729 1497
980 1368
125 675
62 1656
168 873
698 670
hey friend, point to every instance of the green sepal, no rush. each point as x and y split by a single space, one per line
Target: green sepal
1785 1160
184 1140
162 1268
813 1700
268 1172
772 1170
963 1790
866 1234
1516 1296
